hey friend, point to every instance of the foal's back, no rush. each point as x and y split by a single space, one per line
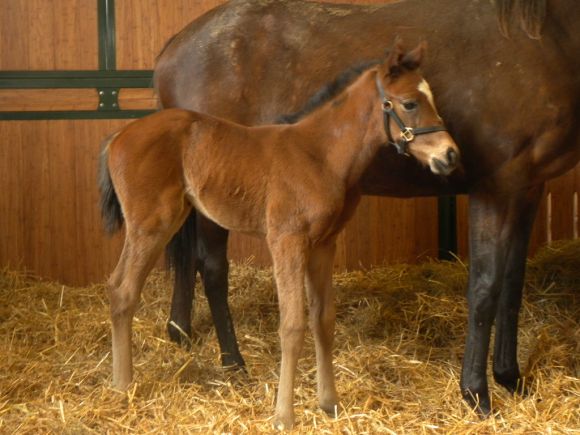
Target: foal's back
216 165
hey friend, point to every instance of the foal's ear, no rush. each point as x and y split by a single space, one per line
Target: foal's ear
393 62
413 58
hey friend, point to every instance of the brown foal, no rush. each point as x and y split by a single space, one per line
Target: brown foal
297 185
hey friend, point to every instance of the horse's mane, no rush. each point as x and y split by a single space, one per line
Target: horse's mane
531 15
328 91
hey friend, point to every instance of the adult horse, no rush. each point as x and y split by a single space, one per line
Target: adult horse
507 79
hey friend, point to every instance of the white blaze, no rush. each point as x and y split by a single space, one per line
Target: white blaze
426 89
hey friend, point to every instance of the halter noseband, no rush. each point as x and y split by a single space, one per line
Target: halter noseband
407 134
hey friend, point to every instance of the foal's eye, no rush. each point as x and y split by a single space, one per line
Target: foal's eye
409 105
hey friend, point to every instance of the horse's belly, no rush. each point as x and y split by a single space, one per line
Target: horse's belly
232 211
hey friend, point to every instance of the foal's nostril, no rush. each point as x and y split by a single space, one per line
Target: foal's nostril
451 156
439 166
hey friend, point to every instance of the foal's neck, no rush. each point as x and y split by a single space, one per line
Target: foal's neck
348 130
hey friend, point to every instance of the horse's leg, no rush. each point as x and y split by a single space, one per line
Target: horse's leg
181 255
506 371
289 258
322 321
212 246
494 219
137 259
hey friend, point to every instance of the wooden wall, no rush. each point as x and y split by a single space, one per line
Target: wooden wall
49 219
48 35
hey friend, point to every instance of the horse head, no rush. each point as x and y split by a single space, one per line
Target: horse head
411 121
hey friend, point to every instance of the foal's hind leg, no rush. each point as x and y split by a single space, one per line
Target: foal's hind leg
322 321
137 259
143 245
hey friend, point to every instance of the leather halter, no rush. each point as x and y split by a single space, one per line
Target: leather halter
407 134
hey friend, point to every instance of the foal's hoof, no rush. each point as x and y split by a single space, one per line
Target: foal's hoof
330 409
283 422
179 335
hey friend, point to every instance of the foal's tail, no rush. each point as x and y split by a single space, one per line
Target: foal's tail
110 206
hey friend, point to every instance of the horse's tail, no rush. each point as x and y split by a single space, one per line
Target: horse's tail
111 211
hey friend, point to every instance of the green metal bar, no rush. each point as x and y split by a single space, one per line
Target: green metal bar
75 79
73 114
107 80
107 45
447 210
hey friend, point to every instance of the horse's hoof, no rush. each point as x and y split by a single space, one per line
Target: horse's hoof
479 403
179 335
518 386
233 362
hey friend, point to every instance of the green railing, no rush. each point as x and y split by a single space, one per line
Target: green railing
107 80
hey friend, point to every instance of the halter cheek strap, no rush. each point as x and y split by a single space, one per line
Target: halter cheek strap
407 134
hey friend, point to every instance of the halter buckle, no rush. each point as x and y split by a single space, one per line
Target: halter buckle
407 134
387 105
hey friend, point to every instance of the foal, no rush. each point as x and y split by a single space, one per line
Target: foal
294 184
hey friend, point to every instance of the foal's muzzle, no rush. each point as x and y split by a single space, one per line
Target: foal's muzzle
446 164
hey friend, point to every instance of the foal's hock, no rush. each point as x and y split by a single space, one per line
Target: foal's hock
296 185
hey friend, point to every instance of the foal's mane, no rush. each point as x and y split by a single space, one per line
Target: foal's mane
531 15
328 91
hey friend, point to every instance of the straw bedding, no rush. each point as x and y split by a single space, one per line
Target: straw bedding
399 345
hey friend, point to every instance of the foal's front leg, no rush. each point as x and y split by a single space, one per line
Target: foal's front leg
322 321
289 258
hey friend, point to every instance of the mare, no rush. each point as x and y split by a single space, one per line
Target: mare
507 78
296 185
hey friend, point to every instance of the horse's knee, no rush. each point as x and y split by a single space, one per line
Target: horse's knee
483 301
292 336
123 302
322 320
214 268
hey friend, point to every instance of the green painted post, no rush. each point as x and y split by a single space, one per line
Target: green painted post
107 45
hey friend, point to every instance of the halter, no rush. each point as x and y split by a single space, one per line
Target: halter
407 134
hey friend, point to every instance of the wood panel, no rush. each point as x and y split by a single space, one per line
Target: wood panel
144 26
48 99
557 214
137 99
48 35
49 218
560 193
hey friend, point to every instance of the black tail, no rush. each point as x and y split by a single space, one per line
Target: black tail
110 205
180 252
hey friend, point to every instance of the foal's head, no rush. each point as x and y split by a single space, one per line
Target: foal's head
411 120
